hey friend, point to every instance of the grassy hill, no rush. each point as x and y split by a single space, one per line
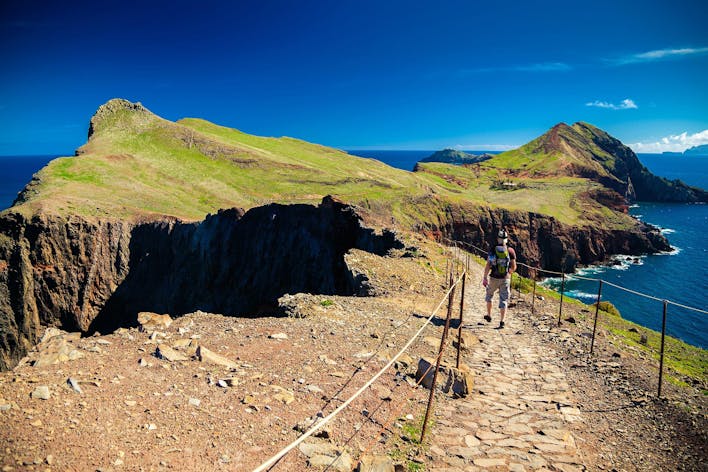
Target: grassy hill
137 165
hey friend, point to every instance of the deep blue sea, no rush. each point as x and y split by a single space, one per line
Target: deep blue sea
681 276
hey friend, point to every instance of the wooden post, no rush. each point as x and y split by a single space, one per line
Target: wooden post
560 310
661 358
533 296
437 364
597 309
459 328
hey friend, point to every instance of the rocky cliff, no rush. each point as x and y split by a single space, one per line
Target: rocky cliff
542 241
86 275
589 152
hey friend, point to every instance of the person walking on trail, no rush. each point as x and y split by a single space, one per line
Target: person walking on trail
501 263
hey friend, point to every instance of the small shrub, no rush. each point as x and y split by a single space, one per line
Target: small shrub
609 308
526 285
326 302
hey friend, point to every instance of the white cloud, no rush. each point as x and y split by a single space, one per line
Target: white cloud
672 143
626 104
544 67
659 55
538 67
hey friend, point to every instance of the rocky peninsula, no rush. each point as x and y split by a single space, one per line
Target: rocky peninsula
135 221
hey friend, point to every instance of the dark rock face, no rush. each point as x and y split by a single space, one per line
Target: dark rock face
542 241
55 271
87 276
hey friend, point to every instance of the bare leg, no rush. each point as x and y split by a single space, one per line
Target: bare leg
489 308
502 312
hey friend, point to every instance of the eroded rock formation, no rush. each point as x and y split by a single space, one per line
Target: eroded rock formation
87 275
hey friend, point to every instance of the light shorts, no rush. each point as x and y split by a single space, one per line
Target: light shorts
504 287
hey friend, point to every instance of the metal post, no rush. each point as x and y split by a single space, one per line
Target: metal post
661 358
533 297
518 285
560 310
597 309
459 328
437 364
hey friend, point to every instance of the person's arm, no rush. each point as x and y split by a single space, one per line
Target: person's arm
487 269
512 264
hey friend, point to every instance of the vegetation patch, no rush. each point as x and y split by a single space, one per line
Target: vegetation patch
608 308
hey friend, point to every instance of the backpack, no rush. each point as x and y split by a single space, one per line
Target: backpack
500 260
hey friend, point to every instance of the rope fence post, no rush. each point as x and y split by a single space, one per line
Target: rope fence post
533 296
560 310
597 309
661 358
459 328
437 364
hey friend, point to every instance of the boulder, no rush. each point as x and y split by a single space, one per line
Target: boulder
376 464
167 353
328 456
205 355
459 381
151 321
56 347
426 371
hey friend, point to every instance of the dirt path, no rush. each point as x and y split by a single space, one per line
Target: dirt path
518 417
541 402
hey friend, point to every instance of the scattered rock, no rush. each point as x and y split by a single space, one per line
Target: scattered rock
57 347
376 464
278 336
74 384
327 455
327 360
643 339
468 341
167 353
382 392
424 374
314 389
459 381
229 382
194 402
283 395
205 355
152 321
305 425
41 392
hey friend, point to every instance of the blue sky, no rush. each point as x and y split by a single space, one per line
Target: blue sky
360 74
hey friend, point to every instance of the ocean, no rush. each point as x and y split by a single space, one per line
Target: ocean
680 276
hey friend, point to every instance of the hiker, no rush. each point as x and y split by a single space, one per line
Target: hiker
501 263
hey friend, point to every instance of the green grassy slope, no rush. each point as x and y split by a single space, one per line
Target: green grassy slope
136 164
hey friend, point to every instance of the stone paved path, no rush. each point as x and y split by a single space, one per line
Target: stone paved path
520 413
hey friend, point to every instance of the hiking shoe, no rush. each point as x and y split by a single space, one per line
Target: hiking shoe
501 324
487 318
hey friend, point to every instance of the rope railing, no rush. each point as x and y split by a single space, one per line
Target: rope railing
275 458
589 279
